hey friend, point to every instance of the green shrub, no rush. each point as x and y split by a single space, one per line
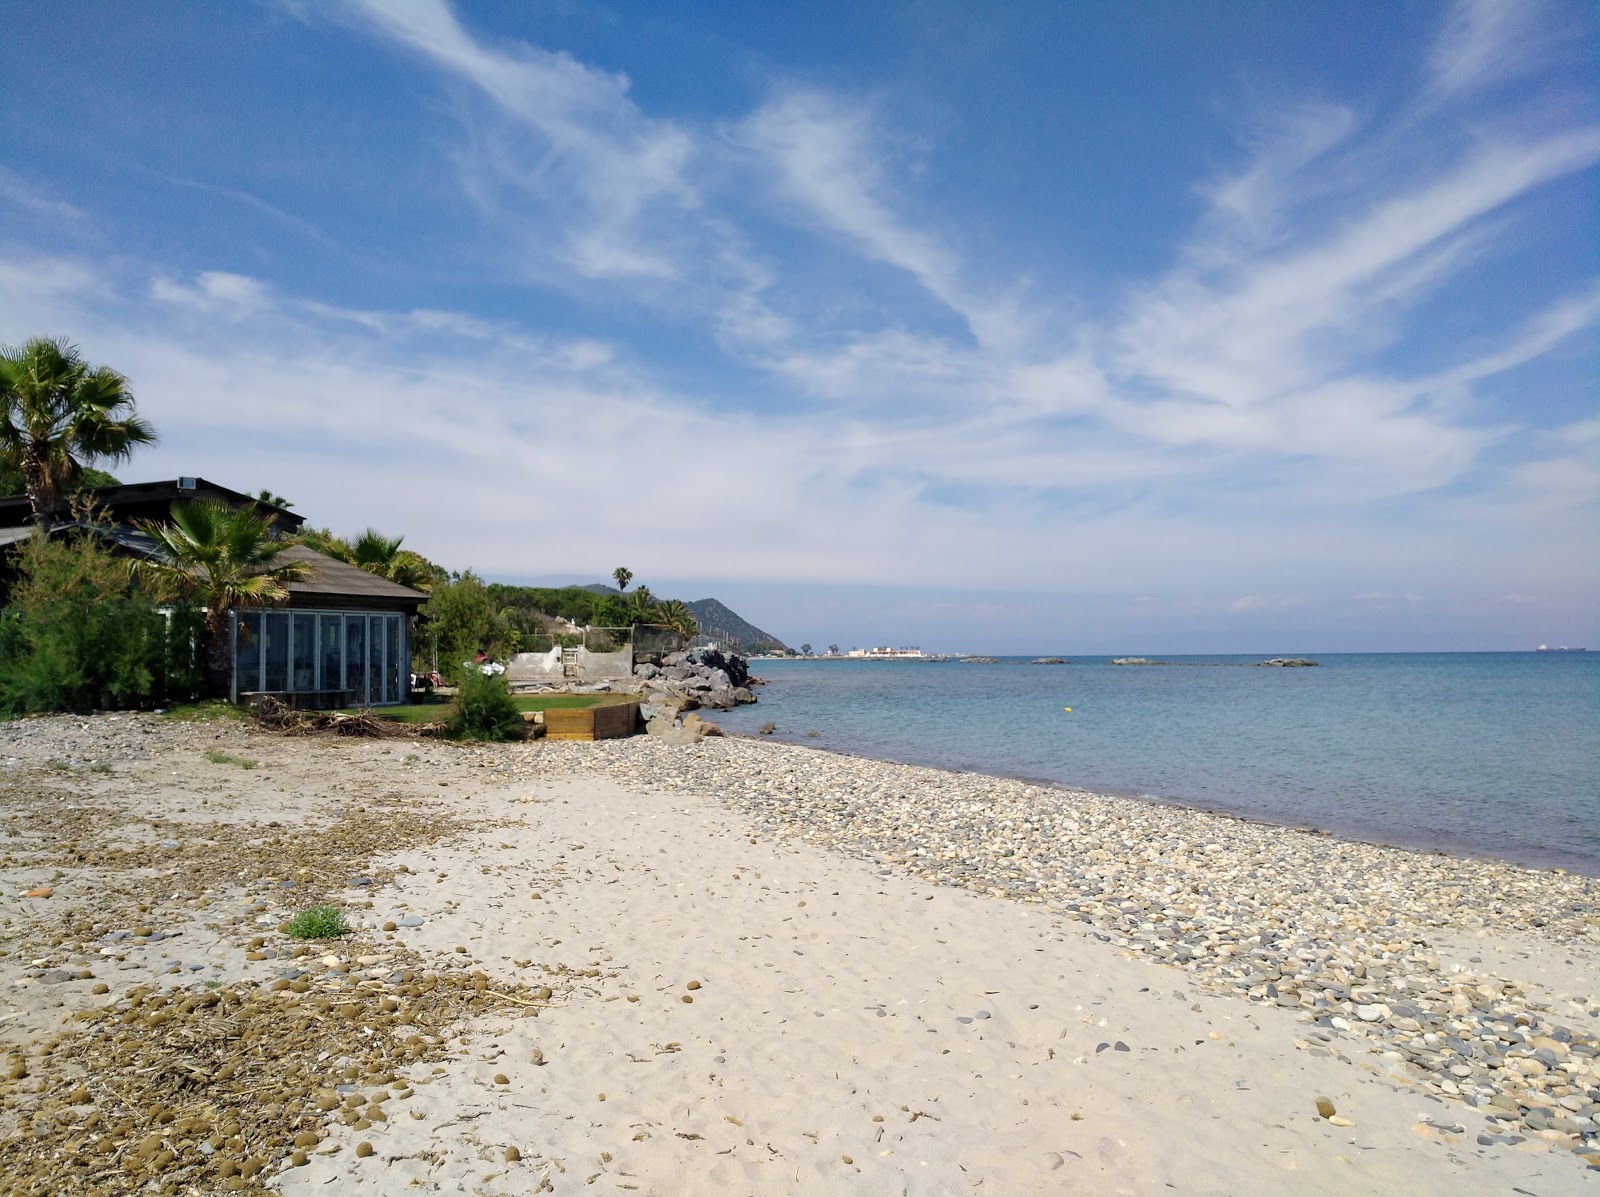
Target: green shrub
317 922
74 635
483 709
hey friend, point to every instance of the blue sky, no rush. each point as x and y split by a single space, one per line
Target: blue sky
1025 327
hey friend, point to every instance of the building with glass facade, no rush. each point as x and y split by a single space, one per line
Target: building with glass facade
343 639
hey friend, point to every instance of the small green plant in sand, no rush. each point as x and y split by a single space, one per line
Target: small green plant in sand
217 757
324 921
100 767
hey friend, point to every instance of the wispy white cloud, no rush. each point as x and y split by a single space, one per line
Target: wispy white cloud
1484 42
21 192
592 150
217 292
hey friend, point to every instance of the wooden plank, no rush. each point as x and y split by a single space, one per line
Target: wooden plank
614 720
569 724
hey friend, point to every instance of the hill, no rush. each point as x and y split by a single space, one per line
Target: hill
717 621
720 623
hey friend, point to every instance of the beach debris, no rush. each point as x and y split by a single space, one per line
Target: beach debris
1325 1107
277 716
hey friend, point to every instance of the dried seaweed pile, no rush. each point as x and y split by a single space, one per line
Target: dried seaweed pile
211 1091
279 717
55 828
208 1087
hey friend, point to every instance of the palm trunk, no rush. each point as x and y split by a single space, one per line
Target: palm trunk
219 654
33 480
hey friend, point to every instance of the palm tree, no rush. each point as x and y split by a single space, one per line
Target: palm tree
219 558
266 496
639 607
377 554
675 614
58 412
623 575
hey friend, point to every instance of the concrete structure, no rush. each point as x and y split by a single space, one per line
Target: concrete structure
569 664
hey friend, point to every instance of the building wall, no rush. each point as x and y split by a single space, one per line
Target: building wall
591 667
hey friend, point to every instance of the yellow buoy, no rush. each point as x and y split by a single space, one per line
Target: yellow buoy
1067 709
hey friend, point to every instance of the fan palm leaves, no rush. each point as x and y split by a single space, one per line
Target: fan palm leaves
58 412
221 559
675 614
377 554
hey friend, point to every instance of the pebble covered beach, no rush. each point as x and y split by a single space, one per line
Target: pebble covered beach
150 998
1340 931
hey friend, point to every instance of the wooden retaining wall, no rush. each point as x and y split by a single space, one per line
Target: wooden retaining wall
592 723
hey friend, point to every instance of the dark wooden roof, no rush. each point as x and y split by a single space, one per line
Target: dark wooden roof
331 579
154 500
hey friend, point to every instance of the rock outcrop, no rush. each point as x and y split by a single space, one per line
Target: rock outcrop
1288 662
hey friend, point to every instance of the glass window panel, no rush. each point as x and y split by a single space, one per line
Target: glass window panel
275 650
304 655
247 657
355 658
331 631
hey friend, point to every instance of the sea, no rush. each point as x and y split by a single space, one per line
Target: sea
1478 754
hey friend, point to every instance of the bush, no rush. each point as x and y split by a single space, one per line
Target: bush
76 636
317 922
483 709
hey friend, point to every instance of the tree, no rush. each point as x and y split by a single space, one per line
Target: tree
74 635
266 496
377 554
805 650
462 619
220 559
623 575
675 614
833 650
640 606
57 413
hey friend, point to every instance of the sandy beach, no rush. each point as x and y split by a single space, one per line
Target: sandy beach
750 968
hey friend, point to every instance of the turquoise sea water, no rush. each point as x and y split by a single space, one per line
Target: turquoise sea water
1493 754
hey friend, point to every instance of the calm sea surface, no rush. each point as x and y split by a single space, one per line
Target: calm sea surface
1494 754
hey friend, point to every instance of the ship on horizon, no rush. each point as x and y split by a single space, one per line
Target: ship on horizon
1545 648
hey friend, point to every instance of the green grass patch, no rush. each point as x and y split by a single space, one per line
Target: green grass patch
323 921
570 702
217 757
204 712
435 709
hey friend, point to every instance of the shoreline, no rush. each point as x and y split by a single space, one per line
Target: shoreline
1588 869
903 979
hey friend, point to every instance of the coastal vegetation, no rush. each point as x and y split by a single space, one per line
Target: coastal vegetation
377 554
483 709
57 414
77 635
218 559
323 921
87 629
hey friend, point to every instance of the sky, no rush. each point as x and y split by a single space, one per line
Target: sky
1036 327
